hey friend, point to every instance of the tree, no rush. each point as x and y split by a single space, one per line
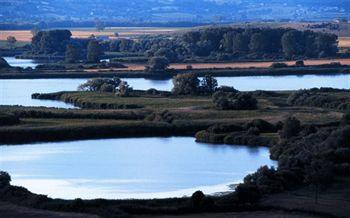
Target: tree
94 52
50 42
292 43
11 41
208 84
5 179
234 101
291 128
72 54
158 64
100 85
240 43
185 84
3 63
124 89
168 53
319 173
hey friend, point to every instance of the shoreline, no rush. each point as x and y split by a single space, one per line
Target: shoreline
216 72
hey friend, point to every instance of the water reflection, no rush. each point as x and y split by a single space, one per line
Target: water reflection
129 168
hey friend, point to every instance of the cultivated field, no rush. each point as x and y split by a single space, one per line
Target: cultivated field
266 64
344 42
124 32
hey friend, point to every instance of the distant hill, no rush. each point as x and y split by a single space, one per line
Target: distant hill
171 10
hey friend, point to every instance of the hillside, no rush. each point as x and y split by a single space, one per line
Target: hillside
171 10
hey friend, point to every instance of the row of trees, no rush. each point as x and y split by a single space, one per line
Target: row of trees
217 42
233 42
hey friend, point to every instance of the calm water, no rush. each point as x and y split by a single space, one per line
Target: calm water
129 168
24 63
18 92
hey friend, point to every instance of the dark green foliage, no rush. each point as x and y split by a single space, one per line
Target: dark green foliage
8 119
261 125
266 180
100 85
197 199
5 179
94 52
247 193
323 97
234 101
158 64
72 54
279 65
291 128
299 63
185 84
3 63
251 137
208 85
163 116
346 119
50 42
124 90
169 54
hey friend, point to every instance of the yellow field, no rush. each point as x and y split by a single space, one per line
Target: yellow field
124 32
344 42
139 67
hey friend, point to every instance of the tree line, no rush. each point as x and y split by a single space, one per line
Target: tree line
219 43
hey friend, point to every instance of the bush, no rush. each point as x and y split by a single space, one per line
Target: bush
3 63
234 101
185 84
261 125
158 64
124 90
247 193
100 85
8 119
299 63
5 179
279 65
291 128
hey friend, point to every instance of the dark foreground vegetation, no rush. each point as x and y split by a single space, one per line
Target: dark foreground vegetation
307 132
308 156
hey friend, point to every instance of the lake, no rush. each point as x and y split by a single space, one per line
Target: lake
18 92
24 63
130 167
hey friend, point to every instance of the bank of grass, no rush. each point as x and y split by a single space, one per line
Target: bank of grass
189 114
217 72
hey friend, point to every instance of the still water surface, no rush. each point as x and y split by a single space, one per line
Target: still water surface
129 168
18 92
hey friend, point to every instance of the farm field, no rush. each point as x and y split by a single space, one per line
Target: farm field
124 32
266 64
344 42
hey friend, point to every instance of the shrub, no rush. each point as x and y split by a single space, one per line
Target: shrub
291 128
247 193
278 65
299 63
3 63
234 101
100 85
124 90
158 64
8 119
261 125
197 199
5 179
185 84
208 84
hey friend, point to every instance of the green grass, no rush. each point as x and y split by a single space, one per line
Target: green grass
5 45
